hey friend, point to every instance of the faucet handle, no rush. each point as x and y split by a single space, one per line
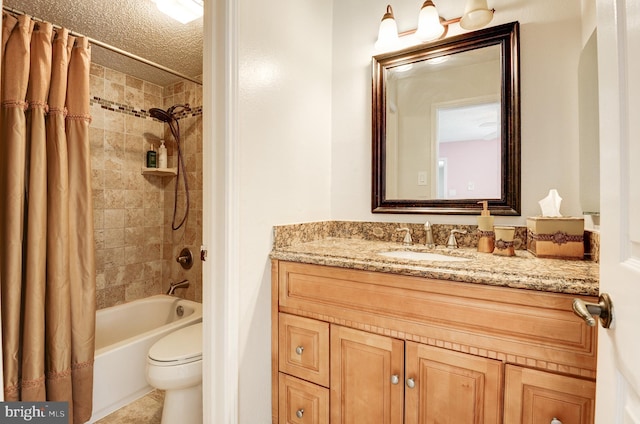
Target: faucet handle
407 237
452 243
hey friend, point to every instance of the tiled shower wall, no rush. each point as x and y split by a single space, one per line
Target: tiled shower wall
190 234
135 246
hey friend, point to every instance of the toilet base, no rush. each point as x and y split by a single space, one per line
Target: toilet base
183 406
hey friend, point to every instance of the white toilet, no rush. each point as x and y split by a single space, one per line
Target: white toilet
174 364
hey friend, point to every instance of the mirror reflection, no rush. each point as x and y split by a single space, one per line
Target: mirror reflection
442 136
446 128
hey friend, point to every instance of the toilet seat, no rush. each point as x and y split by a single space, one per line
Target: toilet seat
183 346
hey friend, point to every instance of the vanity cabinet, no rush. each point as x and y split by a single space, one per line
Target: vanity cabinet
352 346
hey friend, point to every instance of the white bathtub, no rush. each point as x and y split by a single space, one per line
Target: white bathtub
124 334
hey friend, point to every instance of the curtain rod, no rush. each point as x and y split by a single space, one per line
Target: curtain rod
110 47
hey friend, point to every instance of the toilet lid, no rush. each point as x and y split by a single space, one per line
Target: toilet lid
182 345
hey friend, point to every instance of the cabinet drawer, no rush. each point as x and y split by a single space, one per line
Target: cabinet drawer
302 402
533 396
304 348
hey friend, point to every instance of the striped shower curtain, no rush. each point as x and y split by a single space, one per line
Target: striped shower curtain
47 253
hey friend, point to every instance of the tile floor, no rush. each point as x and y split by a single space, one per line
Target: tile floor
146 410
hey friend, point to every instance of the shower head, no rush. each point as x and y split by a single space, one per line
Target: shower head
169 114
160 115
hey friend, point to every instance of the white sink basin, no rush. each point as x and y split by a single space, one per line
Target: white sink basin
422 256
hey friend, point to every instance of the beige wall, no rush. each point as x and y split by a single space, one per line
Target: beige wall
134 244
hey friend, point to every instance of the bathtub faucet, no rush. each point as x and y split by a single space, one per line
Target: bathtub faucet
174 286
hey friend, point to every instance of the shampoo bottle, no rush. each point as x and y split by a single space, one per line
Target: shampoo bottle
162 155
151 157
486 234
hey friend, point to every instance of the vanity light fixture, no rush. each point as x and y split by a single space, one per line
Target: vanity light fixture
430 25
183 11
388 32
476 14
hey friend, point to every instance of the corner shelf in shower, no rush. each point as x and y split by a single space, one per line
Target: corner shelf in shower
160 172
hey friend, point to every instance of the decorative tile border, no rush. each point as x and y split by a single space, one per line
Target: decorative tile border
140 113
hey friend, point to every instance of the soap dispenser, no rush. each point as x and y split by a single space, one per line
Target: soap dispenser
162 155
486 234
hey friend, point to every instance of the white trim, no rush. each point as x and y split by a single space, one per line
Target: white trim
232 200
220 215
1 359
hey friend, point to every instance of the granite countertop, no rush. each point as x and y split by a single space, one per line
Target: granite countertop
523 271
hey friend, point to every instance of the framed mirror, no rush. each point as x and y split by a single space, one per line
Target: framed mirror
446 125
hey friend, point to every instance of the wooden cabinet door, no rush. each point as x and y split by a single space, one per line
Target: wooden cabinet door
302 402
444 386
537 397
366 377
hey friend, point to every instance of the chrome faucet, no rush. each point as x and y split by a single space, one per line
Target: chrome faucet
174 286
407 241
452 243
428 242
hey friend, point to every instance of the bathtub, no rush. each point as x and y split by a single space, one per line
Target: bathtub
124 334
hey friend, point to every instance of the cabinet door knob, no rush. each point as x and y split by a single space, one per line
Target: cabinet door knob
555 421
299 350
395 379
411 383
300 412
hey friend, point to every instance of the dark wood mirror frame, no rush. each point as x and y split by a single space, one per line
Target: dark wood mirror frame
507 37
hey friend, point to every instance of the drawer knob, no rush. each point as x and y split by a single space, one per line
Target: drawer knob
299 350
395 379
300 413
555 421
411 383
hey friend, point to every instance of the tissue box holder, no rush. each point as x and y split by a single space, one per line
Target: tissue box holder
561 237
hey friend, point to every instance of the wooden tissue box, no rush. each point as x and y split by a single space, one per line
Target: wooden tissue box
556 237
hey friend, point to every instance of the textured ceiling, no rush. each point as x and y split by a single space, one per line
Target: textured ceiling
132 25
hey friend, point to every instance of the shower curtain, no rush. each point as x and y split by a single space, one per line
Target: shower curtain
47 255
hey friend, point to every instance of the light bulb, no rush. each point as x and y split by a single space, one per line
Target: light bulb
388 32
476 15
429 26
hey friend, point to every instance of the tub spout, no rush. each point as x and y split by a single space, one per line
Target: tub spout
174 286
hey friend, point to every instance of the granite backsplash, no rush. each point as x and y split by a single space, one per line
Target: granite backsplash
287 235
